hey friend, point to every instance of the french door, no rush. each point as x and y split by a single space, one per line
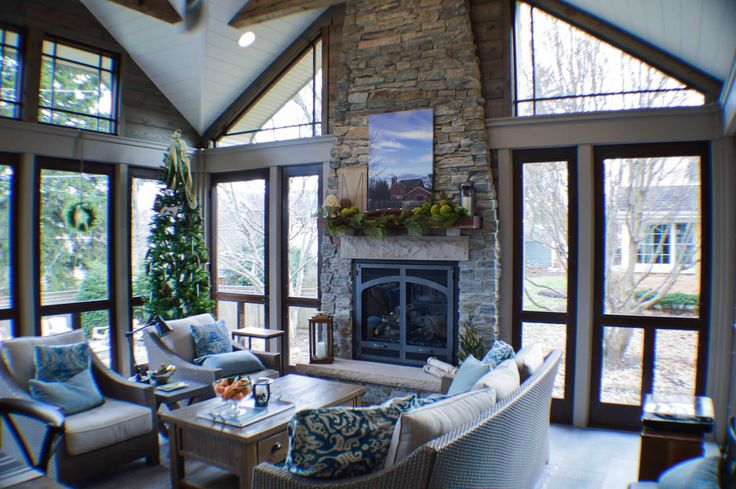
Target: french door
239 247
545 261
651 301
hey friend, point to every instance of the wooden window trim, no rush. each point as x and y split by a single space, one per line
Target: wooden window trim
13 160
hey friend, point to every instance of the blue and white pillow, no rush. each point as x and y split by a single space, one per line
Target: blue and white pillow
210 339
61 362
338 442
500 351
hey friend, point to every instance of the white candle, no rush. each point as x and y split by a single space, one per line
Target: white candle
321 349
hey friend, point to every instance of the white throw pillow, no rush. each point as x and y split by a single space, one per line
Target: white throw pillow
529 359
421 425
503 379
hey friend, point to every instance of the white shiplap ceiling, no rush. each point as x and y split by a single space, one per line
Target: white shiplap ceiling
700 32
204 70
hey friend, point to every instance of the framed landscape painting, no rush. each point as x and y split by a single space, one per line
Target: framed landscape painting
400 157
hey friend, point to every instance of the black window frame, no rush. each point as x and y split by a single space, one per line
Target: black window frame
240 299
114 89
20 32
11 314
76 309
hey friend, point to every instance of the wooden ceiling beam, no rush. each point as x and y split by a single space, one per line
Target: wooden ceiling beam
258 11
160 9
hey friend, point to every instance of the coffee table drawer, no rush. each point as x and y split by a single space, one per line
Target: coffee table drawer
274 448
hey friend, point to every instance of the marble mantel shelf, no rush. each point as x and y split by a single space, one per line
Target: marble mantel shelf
440 248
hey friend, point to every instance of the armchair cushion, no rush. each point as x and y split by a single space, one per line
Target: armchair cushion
112 422
60 363
19 353
210 339
467 375
529 359
74 395
504 379
697 473
500 351
179 340
234 363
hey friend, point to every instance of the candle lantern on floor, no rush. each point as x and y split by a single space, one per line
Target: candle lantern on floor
320 338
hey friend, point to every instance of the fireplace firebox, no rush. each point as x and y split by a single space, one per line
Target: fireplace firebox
405 312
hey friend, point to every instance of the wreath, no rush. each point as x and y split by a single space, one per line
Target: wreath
81 216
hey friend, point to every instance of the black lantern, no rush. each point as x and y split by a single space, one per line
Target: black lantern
320 338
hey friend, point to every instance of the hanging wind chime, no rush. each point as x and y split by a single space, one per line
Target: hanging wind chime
81 215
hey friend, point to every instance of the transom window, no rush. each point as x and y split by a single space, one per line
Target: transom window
561 69
78 88
11 68
291 108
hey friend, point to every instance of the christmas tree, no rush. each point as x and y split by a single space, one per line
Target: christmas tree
176 261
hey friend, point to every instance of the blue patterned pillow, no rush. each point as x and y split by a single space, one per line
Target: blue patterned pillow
210 339
500 351
337 442
62 362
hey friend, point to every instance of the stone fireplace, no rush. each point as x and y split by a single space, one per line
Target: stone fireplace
405 311
404 55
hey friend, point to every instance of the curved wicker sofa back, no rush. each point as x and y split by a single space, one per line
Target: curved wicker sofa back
505 447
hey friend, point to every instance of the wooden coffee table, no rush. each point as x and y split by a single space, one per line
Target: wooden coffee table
239 450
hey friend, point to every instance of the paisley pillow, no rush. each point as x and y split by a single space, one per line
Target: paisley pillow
500 351
210 339
337 442
62 362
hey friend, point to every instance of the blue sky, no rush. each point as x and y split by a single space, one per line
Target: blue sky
402 142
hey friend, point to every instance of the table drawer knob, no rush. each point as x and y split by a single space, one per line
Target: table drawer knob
276 447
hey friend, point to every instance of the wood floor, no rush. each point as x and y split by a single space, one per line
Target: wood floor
592 458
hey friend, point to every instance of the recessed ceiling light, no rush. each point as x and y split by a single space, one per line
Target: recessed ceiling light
246 39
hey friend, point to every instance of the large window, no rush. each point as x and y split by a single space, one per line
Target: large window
11 69
75 266
300 194
651 300
545 271
239 217
561 69
291 108
144 186
7 248
78 87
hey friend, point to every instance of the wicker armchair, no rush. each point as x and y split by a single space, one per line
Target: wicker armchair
122 429
177 348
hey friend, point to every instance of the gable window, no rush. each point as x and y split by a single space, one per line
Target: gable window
78 88
291 108
11 68
561 69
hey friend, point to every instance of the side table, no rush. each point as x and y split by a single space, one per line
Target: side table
672 431
264 334
171 399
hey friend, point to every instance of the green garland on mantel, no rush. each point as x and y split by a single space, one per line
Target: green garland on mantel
436 213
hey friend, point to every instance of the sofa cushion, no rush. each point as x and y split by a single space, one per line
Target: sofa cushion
503 379
112 422
56 363
468 374
418 426
180 340
500 351
698 473
234 362
529 359
337 442
73 395
210 339
19 353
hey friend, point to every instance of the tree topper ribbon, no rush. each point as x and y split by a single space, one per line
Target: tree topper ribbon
178 168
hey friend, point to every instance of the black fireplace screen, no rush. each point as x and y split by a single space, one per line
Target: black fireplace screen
405 312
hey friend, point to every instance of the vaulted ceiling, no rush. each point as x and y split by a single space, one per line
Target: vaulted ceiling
202 71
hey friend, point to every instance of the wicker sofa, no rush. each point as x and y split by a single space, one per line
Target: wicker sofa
505 447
